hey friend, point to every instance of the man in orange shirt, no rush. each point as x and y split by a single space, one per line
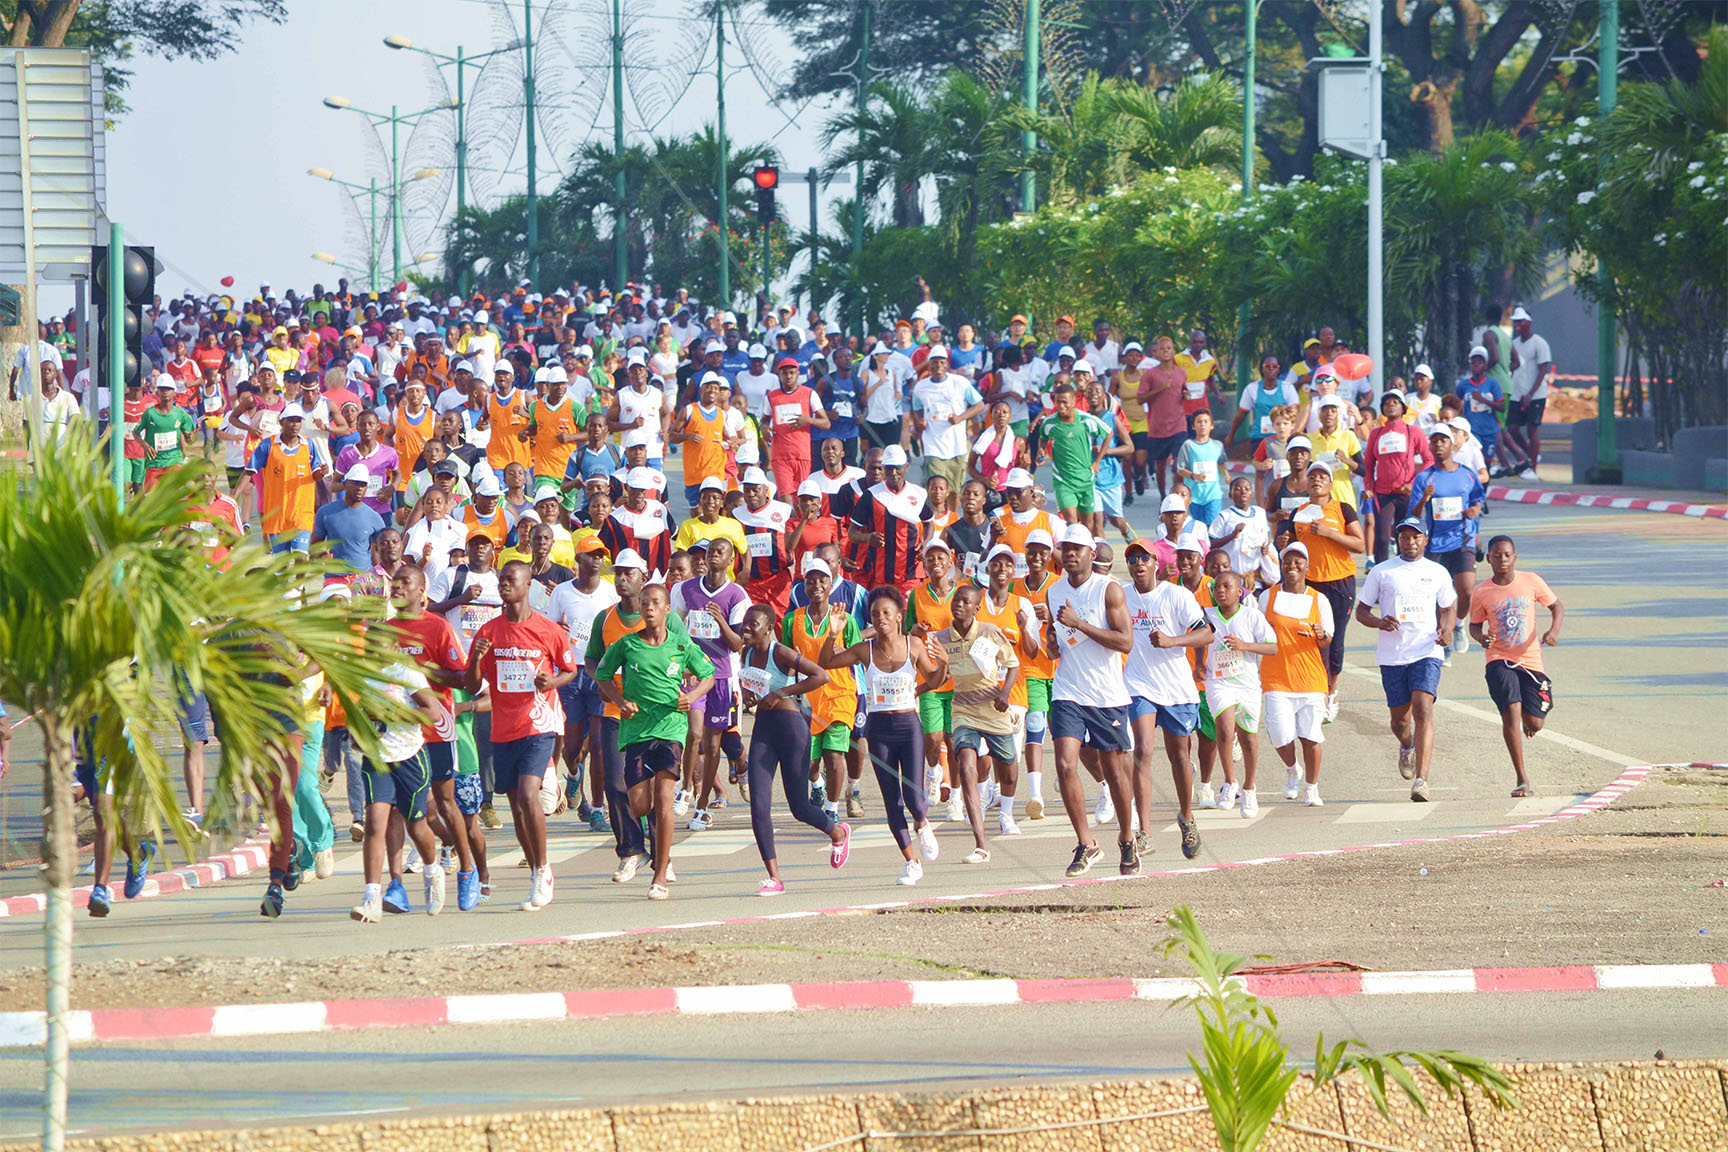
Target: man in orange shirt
287 468
551 431
507 417
1503 621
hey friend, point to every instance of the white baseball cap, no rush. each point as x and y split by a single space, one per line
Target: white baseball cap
809 488
1332 401
335 592
936 542
1296 442
1132 346
1422 370
638 437
713 484
999 550
1296 546
754 475
1518 313
815 563
1172 503
641 478
504 368
715 377
584 352
555 374
1459 423
937 352
1193 542
1479 351
713 346
893 456
1078 534
757 352
1322 466
1039 536
488 486
1083 366
1065 351
630 558
1018 478
359 474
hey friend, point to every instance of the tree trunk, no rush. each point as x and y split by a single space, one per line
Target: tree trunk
60 854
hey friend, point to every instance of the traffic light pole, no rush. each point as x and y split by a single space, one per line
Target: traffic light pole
720 120
115 338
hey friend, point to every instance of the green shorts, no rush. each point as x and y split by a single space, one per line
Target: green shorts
1080 497
836 737
1038 695
936 710
1022 428
135 470
1207 728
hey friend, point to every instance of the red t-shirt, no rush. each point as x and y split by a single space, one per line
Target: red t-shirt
429 638
208 359
520 651
221 510
782 406
822 530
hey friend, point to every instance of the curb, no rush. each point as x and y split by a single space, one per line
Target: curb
29 1029
1558 499
248 857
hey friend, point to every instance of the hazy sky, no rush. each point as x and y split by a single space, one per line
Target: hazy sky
210 163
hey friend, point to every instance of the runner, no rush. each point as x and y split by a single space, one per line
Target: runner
1410 601
1503 620
1449 500
836 709
767 567
1074 442
712 608
1167 621
288 468
1242 533
1012 614
887 523
773 676
1295 677
929 611
651 665
398 786
1162 390
166 431
526 659
1396 452
1241 635
1331 534
1202 462
574 606
794 409
895 669
942 403
1088 625
1035 585
1022 515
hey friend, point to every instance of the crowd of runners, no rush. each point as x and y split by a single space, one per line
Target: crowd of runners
491 475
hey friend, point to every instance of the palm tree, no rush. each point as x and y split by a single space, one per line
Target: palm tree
102 608
890 135
1195 124
1080 145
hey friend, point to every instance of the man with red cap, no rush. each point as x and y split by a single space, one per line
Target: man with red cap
793 409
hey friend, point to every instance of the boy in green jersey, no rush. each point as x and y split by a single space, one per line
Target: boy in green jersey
1074 441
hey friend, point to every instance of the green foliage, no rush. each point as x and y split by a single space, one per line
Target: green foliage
1244 1067
104 611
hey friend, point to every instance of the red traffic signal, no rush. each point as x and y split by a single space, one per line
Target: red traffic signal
767 177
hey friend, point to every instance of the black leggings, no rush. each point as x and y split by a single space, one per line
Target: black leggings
781 743
1389 509
1341 595
626 829
897 751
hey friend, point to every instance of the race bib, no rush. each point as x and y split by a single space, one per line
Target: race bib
1447 507
1205 471
1291 503
515 676
702 626
938 414
1020 568
843 409
165 441
1293 605
983 653
269 423
760 545
1265 425
892 690
784 414
1280 469
1226 663
1196 389
579 633
1476 404
971 564
755 680
1393 443
374 486
474 615
1414 609
213 403
1309 513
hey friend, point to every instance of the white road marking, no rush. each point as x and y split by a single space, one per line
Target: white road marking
1384 813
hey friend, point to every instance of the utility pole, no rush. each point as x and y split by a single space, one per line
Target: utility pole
461 161
372 235
1245 310
1029 139
620 242
858 199
720 114
1607 470
1376 235
395 200
528 102
115 339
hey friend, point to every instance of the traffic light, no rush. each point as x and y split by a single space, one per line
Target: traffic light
138 286
767 179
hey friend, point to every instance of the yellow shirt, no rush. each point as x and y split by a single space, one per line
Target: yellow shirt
563 550
1344 443
725 527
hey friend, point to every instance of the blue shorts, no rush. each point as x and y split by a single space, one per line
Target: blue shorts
291 542
514 760
195 718
996 744
1401 680
692 494
1106 729
1110 502
469 794
1176 719
441 761
581 701
402 785
1206 511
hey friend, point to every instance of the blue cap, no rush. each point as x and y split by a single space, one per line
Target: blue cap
1413 522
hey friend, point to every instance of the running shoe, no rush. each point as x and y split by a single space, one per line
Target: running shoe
1005 824
927 845
1203 797
291 878
467 890
1419 790
1227 793
1143 845
701 819
434 889
326 777
1406 761
100 901
819 793
1331 707
1190 836
489 818
854 804
1311 796
446 858
658 892
771 887
680 802
138 869
956 808
356 831
976 856
1250 804
1460 639
543 894
912 873
1104 811
627 868
933 783
1035 808
395 896
988 794
324 863
597 821
1292 783
840 851
1529 474
1130 859
272 905
1085 855
531 904
369 911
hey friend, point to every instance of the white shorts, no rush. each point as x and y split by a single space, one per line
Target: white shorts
1293 715
1246 703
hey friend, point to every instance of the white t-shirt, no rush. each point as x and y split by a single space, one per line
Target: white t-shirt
1528 381
1412 592
884 403
449 400
45 352
1470 456
399 742
1016 384
755 386
466 619
443 535
1245 550
1235 671
1087 673
648 405
1161 675
1105 359
575 610
58 414
941 402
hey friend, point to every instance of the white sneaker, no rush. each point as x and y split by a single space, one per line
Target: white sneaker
543 895
1227 793
368 911
680 802
1250 804
1104 811
988 794
1035 808
914 872
324 863
702 819
1203 797
533 903
956 809
434 889
1005 824
1311 796
1529 473
1460 639
1292 783
1331 707
933 783
411 862
627 868
1406 761
927 843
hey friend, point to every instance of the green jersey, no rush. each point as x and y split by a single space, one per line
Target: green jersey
653 677
162 432
1072 446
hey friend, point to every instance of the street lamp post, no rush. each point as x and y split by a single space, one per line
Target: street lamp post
395 119
370 188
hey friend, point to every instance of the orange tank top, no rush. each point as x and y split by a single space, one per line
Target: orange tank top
1043 665
1007 618
1299 665
836 702
1327 560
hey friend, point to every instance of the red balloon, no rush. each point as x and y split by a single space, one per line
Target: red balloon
227 281
1353 365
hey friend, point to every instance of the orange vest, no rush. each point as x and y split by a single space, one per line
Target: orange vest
836 702
497 527
286 489
411 437
707 458
612 628
935 615
1043 665
1326 560
506 420
551 457
1008 620
1299 665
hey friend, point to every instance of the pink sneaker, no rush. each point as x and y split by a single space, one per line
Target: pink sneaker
771 887
837 853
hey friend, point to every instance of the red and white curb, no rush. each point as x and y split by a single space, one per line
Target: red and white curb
249 857
29 1029
1622 503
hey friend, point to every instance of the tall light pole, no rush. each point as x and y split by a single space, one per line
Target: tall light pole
528 115
1376 205
858 201
395 119
1034 20
462 61
720 119
620 251
1607 470
1244 310
370 188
